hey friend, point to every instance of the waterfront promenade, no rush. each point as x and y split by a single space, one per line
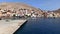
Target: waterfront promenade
9 27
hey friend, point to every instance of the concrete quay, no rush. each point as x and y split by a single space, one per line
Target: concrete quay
9 27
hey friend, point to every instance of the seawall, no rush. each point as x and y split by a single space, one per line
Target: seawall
21 27
11 26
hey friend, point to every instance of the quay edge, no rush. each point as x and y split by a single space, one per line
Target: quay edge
11 26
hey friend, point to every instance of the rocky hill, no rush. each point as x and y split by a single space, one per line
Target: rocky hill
16 6
57 11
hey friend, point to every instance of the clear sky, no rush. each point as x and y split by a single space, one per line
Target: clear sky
42 4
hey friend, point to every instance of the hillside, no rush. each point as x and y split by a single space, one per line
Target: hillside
16 6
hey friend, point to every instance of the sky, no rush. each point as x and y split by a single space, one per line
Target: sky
42 4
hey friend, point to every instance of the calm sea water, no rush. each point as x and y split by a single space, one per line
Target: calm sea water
40 26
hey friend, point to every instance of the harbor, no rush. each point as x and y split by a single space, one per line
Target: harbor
9 27
21 18
40 26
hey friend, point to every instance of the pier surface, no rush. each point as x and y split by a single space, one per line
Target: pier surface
10 26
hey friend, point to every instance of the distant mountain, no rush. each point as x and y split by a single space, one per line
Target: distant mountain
55 11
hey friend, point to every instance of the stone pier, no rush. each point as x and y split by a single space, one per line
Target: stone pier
9 27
